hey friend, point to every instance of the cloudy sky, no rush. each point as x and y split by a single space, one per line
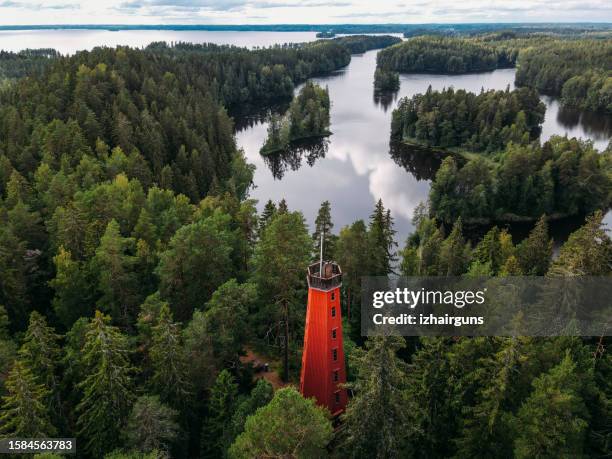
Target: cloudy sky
299 11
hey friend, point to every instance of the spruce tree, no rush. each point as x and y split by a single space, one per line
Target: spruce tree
24 409
117 276
375 422
169 378
266 216
221 404
324 224
535 252
553 421
454 253
381 239
41 353
151 425
107 386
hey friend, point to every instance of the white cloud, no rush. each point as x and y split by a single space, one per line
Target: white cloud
299 11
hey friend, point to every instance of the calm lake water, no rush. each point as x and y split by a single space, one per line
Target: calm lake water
355 166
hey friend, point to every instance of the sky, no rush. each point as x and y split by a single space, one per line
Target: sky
30 12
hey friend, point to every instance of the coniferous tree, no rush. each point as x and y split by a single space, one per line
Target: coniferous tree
324 225
266 216
535 252
552 422
24 409
40 352
381 239
169 378
288 426
151 425
376 418
279 261
107 386
117 278
217 427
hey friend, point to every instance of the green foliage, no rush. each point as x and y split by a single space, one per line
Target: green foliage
477 122
429 54
385 80
196 262
107 386
577 70
288 426
561 178
24 412
376 418
217 428
307 117
553 420
151 425
260 396
278 270
324 226
168 360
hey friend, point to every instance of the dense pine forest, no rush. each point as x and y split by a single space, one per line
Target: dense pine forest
135 270
476 122
576 68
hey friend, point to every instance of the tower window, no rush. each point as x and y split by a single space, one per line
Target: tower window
335 354
333 311
334 333
336 376
333 296
337 395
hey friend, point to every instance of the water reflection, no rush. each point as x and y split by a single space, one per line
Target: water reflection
291 158
385 99
359 166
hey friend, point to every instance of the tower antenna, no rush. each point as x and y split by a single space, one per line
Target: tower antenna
321 258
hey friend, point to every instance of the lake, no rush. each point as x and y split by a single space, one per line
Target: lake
355 167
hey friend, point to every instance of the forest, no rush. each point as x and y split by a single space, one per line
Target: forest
430 54
386 80
135 272
484 122
307 118
576 68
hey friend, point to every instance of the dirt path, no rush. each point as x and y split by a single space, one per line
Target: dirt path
271 376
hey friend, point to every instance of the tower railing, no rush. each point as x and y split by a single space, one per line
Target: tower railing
324 276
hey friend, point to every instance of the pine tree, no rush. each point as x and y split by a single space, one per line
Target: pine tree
375 421
24 412
169 378
288 426
221 405
260 396
73 290
107 387
279 261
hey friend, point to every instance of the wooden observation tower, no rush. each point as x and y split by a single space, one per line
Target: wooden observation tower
323 369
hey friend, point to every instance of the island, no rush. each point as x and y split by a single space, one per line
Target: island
307 118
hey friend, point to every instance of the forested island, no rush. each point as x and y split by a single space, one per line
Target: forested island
306 119
386 80
484 122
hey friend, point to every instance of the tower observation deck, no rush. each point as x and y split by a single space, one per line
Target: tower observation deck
323 369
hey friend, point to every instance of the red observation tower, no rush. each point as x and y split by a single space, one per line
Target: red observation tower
323 369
